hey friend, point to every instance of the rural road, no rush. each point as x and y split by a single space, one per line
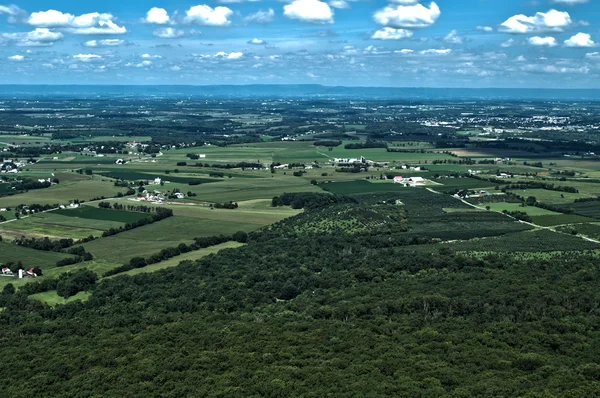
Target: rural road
525 222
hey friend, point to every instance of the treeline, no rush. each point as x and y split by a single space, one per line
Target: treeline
309 200
66 285
539 185
366 145
241 165
328 143
132 208
227 205
161 214
170 252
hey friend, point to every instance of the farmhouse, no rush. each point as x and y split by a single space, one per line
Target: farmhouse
398 180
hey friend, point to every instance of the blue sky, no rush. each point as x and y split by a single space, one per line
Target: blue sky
397 43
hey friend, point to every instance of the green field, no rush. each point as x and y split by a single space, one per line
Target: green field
191 256
552 197
361 187
530 210
63 193
96 213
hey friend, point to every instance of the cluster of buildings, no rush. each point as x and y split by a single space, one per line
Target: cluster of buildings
410 181
22 273
362 160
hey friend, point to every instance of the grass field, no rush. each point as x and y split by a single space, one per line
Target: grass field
63 193
362 186
530 210
53 299
96 213
191 256
70 223
547 196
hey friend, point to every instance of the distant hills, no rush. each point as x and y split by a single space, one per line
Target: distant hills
293 92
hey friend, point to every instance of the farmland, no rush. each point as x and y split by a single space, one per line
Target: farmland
275 244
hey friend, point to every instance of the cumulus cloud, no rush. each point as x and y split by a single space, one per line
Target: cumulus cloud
580 40
453 38
408 16
148 56
16 58
231 55
391 34
551 21
261 17
144 64
313 11
405 51
104 43
542 41
87 57
208 16
157 16
168 33
339 4
594 55
40 37
485 28
434 51
90 24
257 41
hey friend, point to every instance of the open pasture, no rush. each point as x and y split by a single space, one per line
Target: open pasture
63 193
191 256
96 213
530 210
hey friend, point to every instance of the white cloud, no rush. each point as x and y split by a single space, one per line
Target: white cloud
453 38
205 15
542 41
551 21
148 56
87 57
339 4
594 55
313 11
38 38
508 43
405 2
485 28
391 34
168 33
433 51
175 68
256 41
232 55
158 16
93 23
261 17
12 11
569 2
580 40
408 16
104 43
16 58
404 51
144 64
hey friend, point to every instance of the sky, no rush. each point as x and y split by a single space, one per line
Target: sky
393 43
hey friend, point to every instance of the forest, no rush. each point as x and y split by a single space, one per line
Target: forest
317 314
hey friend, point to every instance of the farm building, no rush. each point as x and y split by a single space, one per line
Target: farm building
398 180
